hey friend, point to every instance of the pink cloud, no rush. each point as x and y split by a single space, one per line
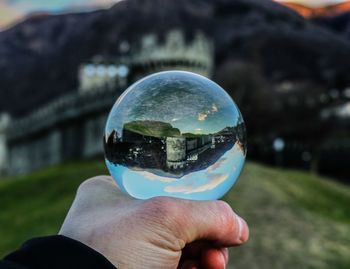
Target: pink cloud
213 182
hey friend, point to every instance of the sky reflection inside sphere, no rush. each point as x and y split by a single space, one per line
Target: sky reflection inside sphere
175 134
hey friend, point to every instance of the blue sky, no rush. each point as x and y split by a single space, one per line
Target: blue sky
188 102
208 184
28 6
12 11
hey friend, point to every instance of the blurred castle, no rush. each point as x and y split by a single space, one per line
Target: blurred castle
73 125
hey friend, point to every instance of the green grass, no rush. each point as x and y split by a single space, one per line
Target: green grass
36 205
296 220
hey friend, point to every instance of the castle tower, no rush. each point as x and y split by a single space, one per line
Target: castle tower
176 152
175 53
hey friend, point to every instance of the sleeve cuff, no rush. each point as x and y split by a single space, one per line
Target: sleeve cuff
57 252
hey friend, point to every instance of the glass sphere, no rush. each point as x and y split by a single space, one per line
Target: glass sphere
175 134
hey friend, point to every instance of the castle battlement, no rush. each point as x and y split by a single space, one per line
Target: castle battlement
175 48
72 126
147 56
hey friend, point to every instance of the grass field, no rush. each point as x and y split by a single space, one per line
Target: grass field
296 220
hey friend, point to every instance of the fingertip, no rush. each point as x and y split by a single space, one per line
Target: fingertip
237 226
214 259
224 252
243 229
223 260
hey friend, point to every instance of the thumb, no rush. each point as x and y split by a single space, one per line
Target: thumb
213 221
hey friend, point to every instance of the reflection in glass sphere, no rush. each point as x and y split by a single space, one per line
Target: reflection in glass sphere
175 134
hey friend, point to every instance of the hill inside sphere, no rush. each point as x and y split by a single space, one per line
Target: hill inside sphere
175 134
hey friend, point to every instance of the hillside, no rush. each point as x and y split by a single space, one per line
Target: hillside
40 56
296 220
152 128
338 24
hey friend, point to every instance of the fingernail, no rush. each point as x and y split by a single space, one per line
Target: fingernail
223 260
242 229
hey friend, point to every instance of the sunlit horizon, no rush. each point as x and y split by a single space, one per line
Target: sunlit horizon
314 3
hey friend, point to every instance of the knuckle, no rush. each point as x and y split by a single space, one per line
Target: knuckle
160 206
226 216
162 216
166 215
92 183
163 211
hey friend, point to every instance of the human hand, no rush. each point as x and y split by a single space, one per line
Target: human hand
161 232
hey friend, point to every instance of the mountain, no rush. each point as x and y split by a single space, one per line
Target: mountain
39 57
329 10
152 128
230 130
339 24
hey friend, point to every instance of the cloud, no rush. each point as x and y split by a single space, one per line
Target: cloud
216 165
213 182
154 177
8 15
187 189
202 116
198 130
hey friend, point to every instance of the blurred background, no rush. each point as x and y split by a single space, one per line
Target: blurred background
285 63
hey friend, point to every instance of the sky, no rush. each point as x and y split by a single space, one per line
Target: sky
207 184
314 3
12 11
188 102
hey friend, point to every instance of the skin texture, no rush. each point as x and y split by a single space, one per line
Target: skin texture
161 232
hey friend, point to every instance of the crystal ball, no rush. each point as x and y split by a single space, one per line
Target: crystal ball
175 134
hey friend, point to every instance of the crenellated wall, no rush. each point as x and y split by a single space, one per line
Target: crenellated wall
146 57
72 126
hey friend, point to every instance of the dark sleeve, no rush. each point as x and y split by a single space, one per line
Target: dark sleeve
55 252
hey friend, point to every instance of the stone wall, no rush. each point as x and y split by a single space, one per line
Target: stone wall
72 126
4 123
69 128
